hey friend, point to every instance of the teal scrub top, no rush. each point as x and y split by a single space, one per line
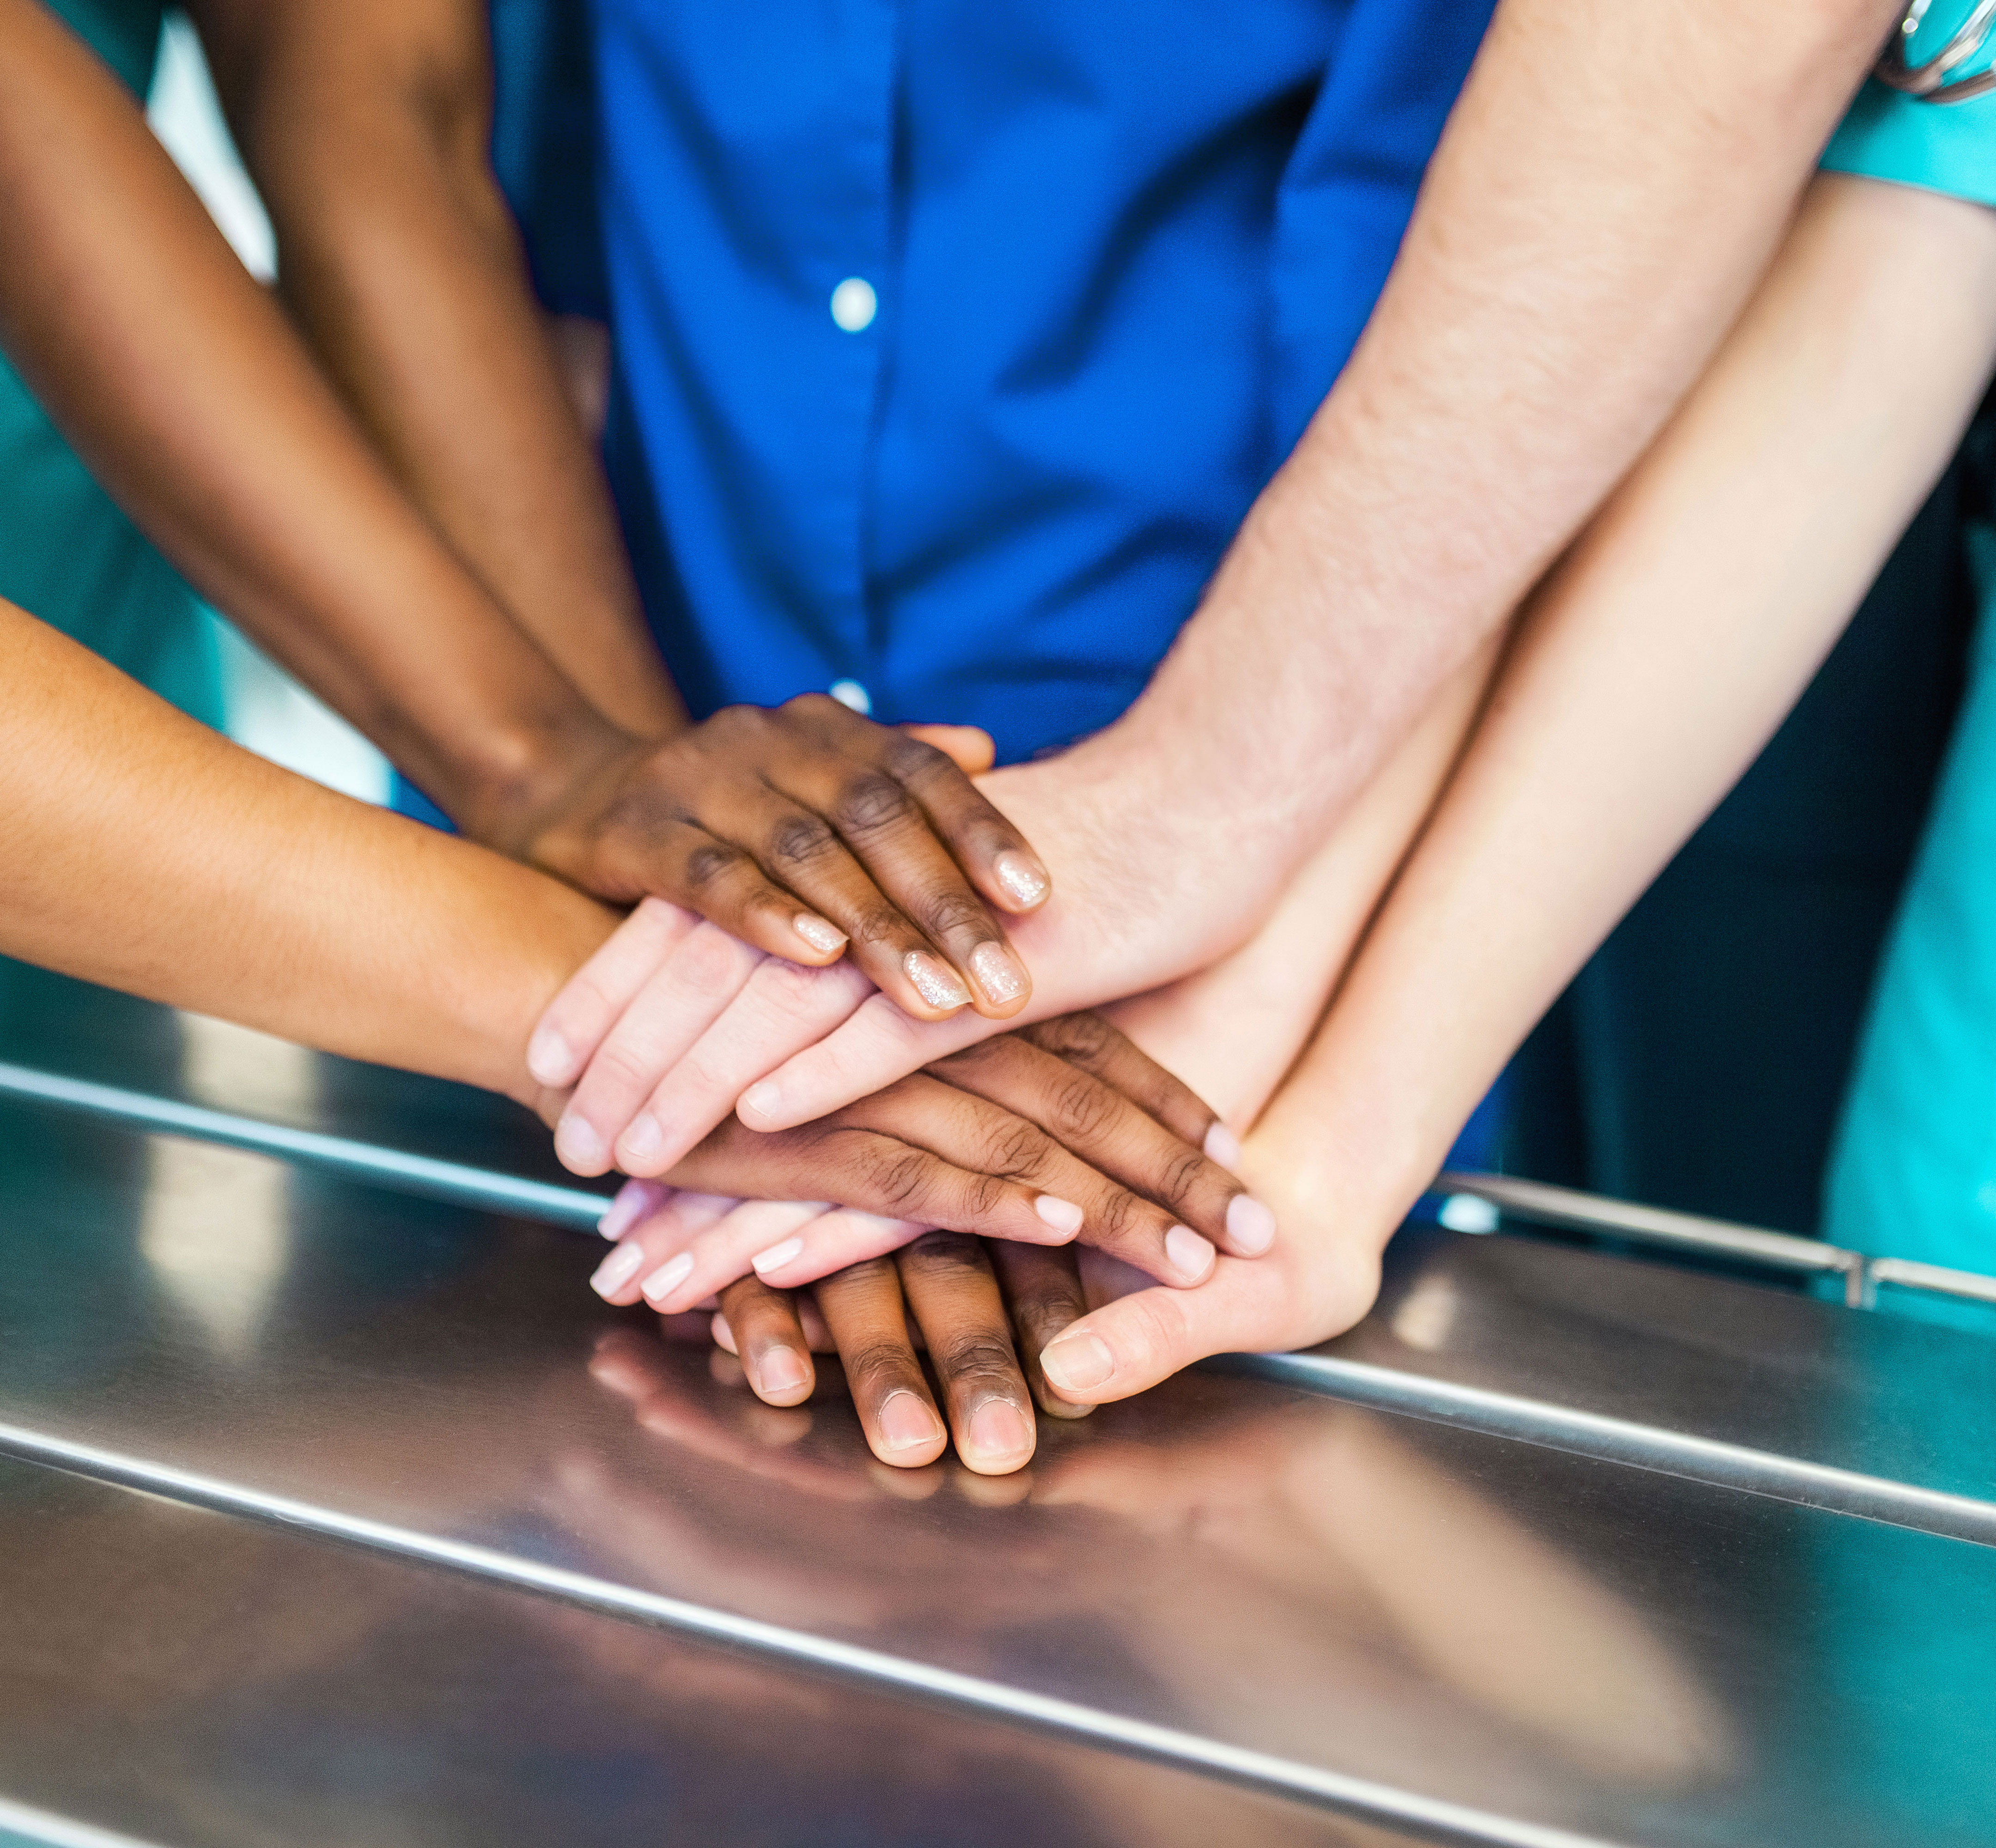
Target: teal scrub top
67 555
1913 1172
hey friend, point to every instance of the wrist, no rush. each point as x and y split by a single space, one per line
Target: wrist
511 782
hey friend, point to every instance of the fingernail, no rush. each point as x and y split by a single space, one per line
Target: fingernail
633 1201
1191 1255
1250 1224
550 1058
905 1422
781 1370
822 935
1223 1146
578 1145
1001 978
642 1140
667 1277
777 1256
1024 880
617 1269
1075 1362
935 984
1063 1215
764 1098
997 1429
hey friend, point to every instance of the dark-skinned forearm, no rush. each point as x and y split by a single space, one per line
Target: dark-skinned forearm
366 124
183 387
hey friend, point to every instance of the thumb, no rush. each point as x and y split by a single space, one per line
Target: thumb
970 748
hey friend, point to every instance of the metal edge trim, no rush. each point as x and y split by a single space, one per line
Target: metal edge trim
1439 1821
1593 1434
1656 1225
424 1174
62 1831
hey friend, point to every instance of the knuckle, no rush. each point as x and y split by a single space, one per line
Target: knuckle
799 840
709 863
625 1067
1012 1148
950 911
980 1357
879 1361
1180 1178
1118 1215
1081 1037
943 1253
909 759
1079 1110
985 1195
878 924
870 801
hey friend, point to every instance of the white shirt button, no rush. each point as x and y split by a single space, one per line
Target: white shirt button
854 305
850 692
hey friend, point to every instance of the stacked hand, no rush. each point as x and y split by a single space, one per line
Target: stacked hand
783 1123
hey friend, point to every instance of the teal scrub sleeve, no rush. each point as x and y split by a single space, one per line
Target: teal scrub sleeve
1947 147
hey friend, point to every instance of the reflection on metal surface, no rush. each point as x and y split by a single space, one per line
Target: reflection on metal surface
1425 1317
1502 1640
221 1062
372 1703
1437 1820
216 1234
422 1175
1617 1440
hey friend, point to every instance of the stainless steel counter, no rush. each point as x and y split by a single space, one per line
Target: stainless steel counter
587 1590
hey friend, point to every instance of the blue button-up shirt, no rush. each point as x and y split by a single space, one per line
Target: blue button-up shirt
954 340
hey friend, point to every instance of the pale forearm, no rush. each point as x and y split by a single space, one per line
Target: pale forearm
145 852
367 129
1655 663
1611 185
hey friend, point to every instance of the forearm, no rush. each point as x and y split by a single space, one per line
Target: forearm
143 851
1233 1030
1611 185
367 127
1655 663
184 388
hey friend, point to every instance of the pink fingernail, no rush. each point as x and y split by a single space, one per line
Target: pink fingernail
579 1146
633 1201
667 1277
1250 1224
822 935
781 1370
1076 1363
937 985
777 1256
1024 880
1063 1215
905 1422
996 1430
1191 1256
1001 978
617 1269
643 1140
1223 1146
550 1058
762 1099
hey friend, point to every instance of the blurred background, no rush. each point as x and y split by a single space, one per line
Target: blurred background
268 711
